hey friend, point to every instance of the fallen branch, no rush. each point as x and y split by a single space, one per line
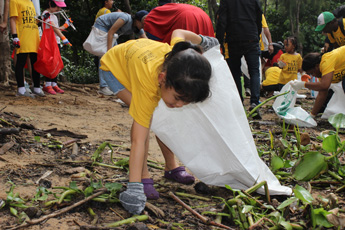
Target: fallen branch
192 196
73 88
6 131
6 147
61 211
202 218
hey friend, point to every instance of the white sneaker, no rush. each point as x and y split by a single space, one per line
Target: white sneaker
105 91
26 94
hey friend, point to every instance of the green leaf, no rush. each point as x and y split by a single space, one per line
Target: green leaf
113 187
302 194
337 120
330 144
247 208
37 138
320 218
341 170
287 202
73 185
123 162
277 163
88 191
286 225
311 165
14 211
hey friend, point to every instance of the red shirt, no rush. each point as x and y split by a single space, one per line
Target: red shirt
163 20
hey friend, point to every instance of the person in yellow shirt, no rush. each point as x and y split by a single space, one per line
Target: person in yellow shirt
333 27
141 72
290 62
270 84
107 5
329 68
26 40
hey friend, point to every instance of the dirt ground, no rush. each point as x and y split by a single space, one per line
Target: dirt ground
82 111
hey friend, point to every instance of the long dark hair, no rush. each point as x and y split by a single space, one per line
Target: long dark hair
311 60
188 72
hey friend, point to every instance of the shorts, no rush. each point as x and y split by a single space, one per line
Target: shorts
113 84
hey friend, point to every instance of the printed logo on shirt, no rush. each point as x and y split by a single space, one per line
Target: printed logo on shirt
337 77
292 66
28 15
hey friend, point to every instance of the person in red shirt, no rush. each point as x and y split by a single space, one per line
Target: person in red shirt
161 21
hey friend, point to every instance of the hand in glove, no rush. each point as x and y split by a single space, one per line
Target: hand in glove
297 85
65 41
16 41
134 198
208 42
68 22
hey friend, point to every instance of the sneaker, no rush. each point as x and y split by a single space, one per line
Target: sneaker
257 115
248 93
26 94
49 89
105 91
41 94
58 90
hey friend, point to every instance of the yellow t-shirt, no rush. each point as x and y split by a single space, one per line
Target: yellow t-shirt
339 37
334 61
27 29
136 65
264 25
272 76
293 64
102 11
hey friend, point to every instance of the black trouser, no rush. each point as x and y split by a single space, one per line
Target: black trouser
19 69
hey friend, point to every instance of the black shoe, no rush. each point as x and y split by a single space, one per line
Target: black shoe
256 115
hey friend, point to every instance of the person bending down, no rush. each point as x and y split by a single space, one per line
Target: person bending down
141 72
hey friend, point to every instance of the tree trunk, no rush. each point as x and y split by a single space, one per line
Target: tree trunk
128 6
213 10
5 61
298 27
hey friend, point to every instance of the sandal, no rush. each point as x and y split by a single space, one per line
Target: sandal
180 175
149 190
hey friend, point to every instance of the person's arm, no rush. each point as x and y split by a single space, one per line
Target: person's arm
13 25
322 85
269 38
186 35
139 137
3 25
142 35
319 101
116 26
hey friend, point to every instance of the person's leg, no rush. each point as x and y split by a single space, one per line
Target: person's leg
234 63
168 155
252 56
35 76
19 72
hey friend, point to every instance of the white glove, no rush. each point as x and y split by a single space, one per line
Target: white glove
297 85
116 36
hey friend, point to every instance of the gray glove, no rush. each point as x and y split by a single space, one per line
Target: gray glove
134 198
208 42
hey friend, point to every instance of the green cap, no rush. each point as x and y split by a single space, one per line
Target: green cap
323 19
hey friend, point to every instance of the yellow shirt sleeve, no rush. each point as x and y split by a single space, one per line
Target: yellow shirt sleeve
334 62
272 76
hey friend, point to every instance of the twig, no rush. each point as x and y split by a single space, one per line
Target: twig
117 213
3 108
192 196
70 142
6 147
61 211
128 221
6 131
251 197
202 218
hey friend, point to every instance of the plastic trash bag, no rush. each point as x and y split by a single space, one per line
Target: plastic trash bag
337 102
284 107
96 42
213 138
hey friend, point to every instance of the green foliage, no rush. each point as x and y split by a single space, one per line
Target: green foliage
84 72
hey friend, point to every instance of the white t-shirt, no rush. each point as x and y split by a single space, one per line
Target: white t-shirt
54 21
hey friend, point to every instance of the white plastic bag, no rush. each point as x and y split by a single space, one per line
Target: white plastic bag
337 102
96 42
284 106
213 138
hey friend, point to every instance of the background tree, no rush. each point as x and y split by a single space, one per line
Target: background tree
5 61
